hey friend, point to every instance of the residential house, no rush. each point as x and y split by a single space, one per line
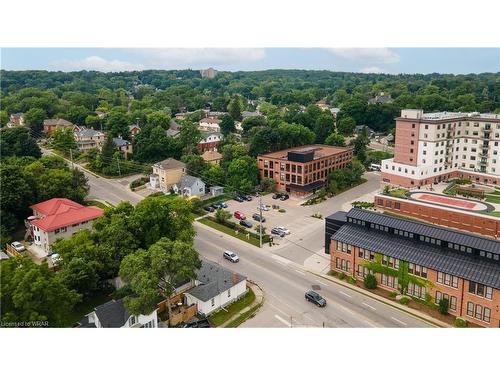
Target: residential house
189 186
334 111
369 132
215 114
323 105
212 156
100 114
174 129
209 125
59 218
381 99
49 125
89 138
216 287
16 119
167 173
209 142
114 314
216 190
246 114
134 130
124 146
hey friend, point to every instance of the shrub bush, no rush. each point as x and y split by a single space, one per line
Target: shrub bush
138 182
370 281
404 301
351 280
392 294
443 306
460 323
342 276
333 273
282 210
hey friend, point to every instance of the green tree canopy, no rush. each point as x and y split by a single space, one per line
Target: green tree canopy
18 142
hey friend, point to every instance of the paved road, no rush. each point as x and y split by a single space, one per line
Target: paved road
284 284
380 147
113 191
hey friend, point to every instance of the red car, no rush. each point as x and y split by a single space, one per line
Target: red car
239 215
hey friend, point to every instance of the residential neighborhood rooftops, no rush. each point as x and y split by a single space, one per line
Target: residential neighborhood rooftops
211 155
187 181
120 142
61 212
112 314
246 114
214 279
57 121
170 163
320 151
210 120
88 133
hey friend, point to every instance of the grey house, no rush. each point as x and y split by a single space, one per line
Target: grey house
189 186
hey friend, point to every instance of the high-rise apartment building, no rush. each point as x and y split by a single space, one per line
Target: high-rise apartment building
432 147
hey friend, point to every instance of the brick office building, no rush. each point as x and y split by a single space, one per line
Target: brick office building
303 170
433 147
485 225
461 267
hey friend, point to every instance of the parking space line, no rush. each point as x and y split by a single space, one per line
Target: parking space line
398 321
345 294
283 321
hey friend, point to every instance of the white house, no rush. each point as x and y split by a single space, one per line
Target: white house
216 287
114 314
189 186
209 124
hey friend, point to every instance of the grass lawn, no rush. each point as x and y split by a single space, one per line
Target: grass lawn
222 316
398 193
84 307
244 317
96 203
491 198
222 228
494 213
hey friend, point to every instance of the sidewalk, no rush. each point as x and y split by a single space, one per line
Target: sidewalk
259 300
408 310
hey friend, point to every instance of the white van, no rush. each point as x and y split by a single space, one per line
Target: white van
375 167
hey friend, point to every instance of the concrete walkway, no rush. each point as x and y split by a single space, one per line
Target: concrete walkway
259 300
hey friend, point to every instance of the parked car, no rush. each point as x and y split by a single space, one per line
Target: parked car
246 223
263 207
247 197
284 197
237 198
202 323
315 298
222 204
276 196
209 208
257 217
284 230
217 206
55 258
278 232
239 215
18 246
229 255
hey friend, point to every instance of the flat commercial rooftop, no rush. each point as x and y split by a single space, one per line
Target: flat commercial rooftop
320 151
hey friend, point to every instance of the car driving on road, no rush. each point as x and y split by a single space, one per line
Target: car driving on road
229 255
315 298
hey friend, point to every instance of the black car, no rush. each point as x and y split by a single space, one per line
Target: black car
237 198
203 323
276 196
209 208
315 298
247 197
257 217
246 223
284 197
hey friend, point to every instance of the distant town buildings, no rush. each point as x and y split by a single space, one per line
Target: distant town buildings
16 119
303 170
382 98
212 157
209 124
432 147
210 141
208 73
50 125
167 173
87 139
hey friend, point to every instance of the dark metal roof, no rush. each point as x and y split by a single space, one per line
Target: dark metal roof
439 259
339 216
443 234
311 186
112 314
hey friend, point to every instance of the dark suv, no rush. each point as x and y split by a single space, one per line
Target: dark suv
315 298
257 217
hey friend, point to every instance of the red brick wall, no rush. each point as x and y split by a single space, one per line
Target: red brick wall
488 226
406 132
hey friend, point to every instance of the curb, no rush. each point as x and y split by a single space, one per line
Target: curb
426 318
248 308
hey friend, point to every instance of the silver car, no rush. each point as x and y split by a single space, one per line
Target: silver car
229 255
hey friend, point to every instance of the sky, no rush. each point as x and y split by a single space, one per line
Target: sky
365 60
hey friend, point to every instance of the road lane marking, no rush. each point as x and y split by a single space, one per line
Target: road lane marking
322 283
302 273
399 321
360 317
283 321
369 306
345 294
280 259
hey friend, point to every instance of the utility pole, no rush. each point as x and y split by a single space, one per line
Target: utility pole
260 219
118 160
71 156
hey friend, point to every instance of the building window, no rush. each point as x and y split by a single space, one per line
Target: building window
479 312
470 309
480 290
229 293
487 314
453 303
133 320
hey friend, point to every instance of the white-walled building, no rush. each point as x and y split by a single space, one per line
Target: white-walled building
60 218
216 287
432 147
209 124
189 186
114 314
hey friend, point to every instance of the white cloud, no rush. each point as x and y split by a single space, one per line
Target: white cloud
368 55
96 63
161 58
372 69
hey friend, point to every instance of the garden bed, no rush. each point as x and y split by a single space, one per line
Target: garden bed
222 316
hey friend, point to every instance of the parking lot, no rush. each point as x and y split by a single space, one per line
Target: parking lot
296 218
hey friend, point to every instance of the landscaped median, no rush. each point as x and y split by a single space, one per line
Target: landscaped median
240 311
234 230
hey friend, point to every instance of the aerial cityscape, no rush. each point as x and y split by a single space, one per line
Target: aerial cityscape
271 198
